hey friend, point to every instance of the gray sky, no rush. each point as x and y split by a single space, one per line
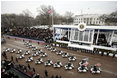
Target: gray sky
61 6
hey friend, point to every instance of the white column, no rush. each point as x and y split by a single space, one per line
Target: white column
71 35
68 33
74 35
83 35
89 35
53 33
92 37
111 37
78 34
97 37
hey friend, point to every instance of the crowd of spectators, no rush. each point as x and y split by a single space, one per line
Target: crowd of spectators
5 70
30 33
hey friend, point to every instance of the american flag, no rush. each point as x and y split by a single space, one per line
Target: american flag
49 11
98 64
85 64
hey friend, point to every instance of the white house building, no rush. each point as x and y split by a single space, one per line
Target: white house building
89 19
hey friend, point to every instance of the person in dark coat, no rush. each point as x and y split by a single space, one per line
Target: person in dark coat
12 59
38 43
46 73
102 53
34 70
5 56
23 40
16 59
52 76
31 73
113 55
56 76
29 67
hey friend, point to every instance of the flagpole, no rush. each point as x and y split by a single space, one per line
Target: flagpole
52 18
52 25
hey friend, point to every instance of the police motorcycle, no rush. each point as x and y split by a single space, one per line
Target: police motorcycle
59 52
46 46
96 69
7 49
53 49
82 62
43 54
49 48
69 66
19 51
48 63
35 54
72 58
39 61
21 56
13 50
29 59
34 48
39 51
26 43
82 68
64 55
27 52
57 64
30 46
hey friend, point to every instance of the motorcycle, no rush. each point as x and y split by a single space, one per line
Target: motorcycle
48 63
69 66
72 58
39 61
64 55
57 64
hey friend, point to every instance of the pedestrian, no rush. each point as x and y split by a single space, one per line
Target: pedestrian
29 67
46 73
52 76
12 59
5 56
31 73
56 76
102 53
23 40
38 43
113 55
16 59
25 69
34 70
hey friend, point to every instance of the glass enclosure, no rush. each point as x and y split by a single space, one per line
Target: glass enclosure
97 37
81 36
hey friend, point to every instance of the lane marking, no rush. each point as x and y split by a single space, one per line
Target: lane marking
18 42
17 46
109 72
77 54
71 72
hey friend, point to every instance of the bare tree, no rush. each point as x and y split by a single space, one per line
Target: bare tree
44 16
110 19
69 17
13 20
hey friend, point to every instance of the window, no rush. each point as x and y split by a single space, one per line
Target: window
86 35
76 35
90 36
81 36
